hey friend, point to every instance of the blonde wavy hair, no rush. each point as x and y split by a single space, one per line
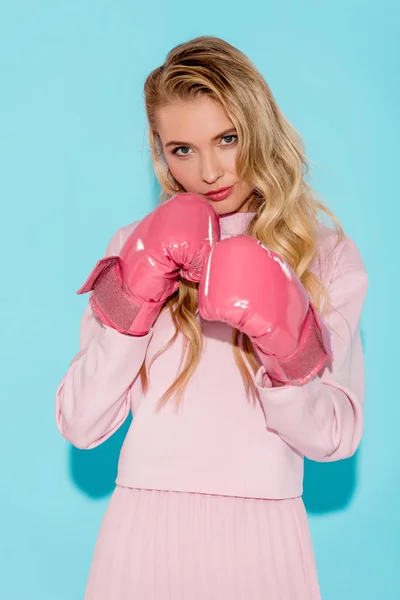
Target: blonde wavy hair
271 158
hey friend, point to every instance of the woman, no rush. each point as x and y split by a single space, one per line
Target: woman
227 321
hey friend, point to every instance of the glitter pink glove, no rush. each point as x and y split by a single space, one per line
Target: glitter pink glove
174 240
254 290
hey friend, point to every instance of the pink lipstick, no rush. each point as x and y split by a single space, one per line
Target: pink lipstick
220 194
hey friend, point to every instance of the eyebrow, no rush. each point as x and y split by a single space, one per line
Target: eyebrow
220 135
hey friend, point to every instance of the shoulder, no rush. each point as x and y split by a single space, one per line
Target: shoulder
335 254
119 238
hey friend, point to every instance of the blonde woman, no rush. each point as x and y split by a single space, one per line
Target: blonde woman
227 321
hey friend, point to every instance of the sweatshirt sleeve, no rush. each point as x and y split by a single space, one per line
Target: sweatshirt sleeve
323 419
93 398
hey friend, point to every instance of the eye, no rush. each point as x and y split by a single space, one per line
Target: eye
229 139
181 150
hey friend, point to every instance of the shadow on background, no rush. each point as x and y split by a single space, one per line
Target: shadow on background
94 471
329 486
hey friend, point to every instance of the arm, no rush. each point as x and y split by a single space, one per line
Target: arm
323 419
128 293
92 400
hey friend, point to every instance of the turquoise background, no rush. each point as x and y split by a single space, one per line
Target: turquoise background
75 166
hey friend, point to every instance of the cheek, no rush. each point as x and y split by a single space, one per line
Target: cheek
228 160
184 171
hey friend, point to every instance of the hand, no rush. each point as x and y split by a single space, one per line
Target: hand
253 289
174 240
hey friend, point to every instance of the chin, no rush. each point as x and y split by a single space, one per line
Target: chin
227 207
221 211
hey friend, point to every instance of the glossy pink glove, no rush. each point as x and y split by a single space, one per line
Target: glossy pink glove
174 240
254 290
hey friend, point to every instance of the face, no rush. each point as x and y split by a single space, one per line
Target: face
199 143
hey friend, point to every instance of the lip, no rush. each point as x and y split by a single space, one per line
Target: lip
220 194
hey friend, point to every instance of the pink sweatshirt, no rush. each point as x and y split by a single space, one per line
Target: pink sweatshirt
219 442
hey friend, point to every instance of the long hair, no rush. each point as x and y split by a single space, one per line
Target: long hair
271 158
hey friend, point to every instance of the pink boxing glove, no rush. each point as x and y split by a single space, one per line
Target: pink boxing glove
254 290
174 240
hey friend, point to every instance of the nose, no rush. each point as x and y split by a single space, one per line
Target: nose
211 168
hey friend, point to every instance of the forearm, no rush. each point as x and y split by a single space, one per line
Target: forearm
92 400
321 421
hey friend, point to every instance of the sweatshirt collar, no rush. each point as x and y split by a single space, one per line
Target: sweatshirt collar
235 223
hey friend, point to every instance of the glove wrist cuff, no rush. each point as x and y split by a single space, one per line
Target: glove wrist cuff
115 307
311 354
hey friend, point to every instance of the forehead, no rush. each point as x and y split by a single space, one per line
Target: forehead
192 120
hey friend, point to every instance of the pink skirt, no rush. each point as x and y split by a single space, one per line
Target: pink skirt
160 545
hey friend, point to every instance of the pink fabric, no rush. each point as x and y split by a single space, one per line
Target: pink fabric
156 545
219 442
